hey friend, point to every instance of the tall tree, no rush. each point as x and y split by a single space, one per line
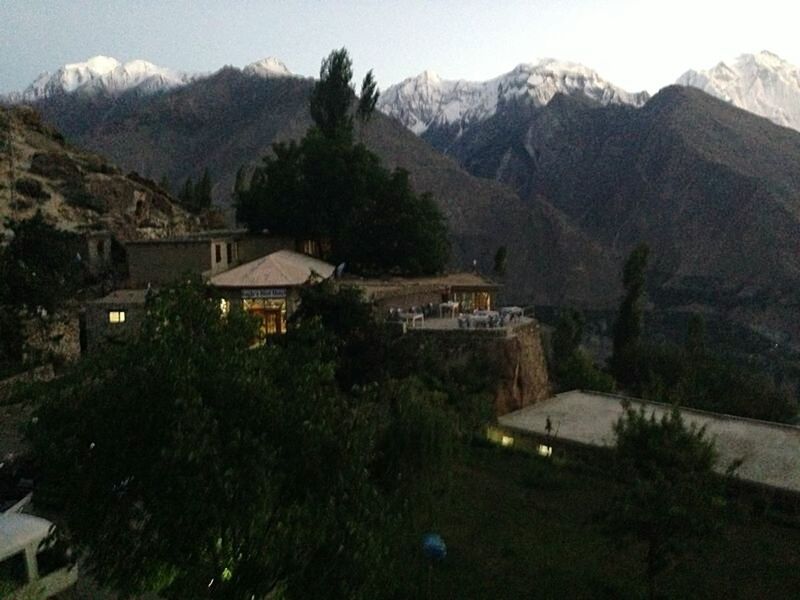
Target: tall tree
625 361
500 260
369 97
335 191
186 195
670 497
202 192
333 94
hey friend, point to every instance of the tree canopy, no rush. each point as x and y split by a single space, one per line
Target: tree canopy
332 190
188 463
628 326
670 496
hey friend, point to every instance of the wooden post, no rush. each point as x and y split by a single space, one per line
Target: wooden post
31 564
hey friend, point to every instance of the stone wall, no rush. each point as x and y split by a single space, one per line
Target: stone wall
514 360
522 369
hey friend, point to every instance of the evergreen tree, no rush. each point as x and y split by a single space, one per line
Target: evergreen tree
241 184
572 366
332 96
625 361
500 259
202 191
332 190
369 97
186 196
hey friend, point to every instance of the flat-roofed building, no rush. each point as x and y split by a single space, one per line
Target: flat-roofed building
206 253
770 452
470 291
269 287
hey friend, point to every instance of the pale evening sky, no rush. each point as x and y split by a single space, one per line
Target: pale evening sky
635 44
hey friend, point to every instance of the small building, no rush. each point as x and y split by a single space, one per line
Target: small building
112 318
269 286
577 420
470 290
160 262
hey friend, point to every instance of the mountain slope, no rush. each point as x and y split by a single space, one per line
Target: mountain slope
761 83
426 100
76 190
714 190
230 119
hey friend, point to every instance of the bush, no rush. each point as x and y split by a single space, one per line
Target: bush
31 188
77 195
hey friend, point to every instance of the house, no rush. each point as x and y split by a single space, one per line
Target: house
162 261
269 287
111 318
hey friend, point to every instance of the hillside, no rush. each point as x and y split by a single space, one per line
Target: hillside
74 189
714 190
230 119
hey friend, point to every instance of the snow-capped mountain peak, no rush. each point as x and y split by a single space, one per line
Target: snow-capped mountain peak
762 83
267 67
424 100
103 74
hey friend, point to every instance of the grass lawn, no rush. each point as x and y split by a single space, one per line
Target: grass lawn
519 526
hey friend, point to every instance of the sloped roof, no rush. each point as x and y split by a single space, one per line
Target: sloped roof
123 298
18 531
283 268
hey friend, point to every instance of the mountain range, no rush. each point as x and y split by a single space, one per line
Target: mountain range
762 83
564 169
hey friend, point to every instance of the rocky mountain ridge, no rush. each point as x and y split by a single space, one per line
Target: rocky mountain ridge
106 76
425 100
76 190
762 83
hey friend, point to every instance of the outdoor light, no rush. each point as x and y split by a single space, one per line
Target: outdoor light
507 441
544 450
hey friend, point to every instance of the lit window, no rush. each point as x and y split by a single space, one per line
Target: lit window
224 306
116 316
544 450
506 441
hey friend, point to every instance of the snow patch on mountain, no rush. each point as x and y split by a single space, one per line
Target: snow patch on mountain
267 67
426 99
761 83
102 74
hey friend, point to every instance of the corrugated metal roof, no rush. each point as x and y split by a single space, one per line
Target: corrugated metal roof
283 268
